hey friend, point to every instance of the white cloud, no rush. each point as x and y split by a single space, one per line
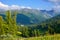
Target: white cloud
54 1
38 8
12 7
57 8
22 7
29 7
3 6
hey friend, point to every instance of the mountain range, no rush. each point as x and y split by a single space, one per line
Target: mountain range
32 16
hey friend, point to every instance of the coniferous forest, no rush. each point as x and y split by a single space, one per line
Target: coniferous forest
9 26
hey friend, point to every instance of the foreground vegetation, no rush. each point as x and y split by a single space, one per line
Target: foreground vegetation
49 37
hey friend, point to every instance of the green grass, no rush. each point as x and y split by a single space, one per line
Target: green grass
50 37
54 37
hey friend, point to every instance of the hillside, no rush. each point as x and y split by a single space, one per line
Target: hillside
53 24
48 27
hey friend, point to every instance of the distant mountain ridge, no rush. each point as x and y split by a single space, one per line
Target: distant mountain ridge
32 16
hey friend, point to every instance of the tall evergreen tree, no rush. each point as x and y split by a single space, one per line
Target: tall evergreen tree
1 26
11 23
14 22
8 20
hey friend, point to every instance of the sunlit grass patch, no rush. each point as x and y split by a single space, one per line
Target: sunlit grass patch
50 37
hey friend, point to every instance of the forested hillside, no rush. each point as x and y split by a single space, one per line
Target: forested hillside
48 27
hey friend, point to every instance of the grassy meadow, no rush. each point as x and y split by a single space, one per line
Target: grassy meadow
49 37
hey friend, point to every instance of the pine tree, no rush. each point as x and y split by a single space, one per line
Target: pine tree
14 23
8 20
35 33
38 32
1 26
8 17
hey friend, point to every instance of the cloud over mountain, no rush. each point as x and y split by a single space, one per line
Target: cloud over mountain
56 4
12 7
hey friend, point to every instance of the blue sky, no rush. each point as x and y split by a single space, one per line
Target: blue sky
41 4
